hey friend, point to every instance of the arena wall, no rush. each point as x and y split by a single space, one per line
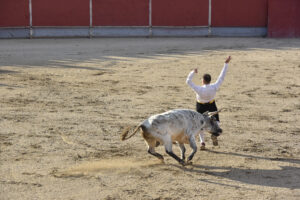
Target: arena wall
284 18
179 13
14 13
121 13
147 18
60 13
239 13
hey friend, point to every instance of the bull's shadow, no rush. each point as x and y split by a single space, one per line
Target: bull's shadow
285 177
288 160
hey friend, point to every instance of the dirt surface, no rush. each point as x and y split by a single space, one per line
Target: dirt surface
64 103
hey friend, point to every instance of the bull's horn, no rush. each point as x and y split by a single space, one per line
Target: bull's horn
206 113
214 113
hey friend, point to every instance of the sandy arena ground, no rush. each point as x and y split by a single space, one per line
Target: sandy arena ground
64 103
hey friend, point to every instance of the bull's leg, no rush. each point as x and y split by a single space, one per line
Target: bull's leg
151 143
151 150
182 148
194 147
202 141
168 148
215 140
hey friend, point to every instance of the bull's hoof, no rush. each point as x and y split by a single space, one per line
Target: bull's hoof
182 163
157 143
189 162
215 140
202 147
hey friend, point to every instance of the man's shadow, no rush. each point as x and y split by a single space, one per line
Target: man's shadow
286 177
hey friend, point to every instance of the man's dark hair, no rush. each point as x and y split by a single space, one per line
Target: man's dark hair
207 78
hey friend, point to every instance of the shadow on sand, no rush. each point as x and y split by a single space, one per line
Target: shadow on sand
288 160
108 52
285 177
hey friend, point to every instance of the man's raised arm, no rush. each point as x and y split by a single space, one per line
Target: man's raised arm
190 78
222 74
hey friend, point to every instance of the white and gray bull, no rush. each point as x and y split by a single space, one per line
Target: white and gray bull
179 126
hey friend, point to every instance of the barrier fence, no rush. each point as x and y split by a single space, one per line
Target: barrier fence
96 18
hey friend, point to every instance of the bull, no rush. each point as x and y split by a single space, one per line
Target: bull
175 126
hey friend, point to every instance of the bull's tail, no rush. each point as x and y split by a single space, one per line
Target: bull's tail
127 130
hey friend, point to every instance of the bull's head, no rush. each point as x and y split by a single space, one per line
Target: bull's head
211 124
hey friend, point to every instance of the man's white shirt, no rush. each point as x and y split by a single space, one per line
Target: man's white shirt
206 93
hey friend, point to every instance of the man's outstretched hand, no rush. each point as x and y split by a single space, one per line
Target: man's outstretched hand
228 59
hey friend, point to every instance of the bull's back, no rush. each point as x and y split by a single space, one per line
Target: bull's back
173 122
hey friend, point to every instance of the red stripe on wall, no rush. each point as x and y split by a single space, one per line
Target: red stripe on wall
179 12
284 18
14 13
60 13
239 13
120 12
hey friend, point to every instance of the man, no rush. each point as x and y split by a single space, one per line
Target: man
205 95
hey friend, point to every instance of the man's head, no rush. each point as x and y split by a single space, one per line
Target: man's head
206 79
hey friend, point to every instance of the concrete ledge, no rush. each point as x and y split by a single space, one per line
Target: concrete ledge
179 31
239 31
14 33
127 31
44 32
120 31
